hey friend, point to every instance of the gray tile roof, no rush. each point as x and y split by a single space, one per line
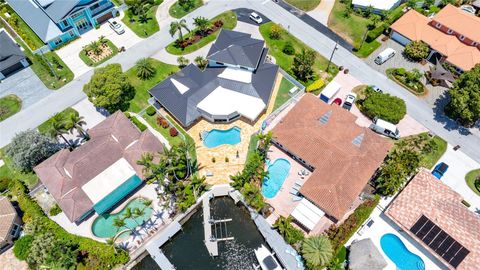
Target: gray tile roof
236 48
36 18
10 54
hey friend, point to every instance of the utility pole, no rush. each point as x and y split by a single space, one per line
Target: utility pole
331 56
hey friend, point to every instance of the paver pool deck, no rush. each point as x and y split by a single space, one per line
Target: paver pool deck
221 169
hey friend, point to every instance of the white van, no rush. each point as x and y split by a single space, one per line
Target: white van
386 128
330 91
384 56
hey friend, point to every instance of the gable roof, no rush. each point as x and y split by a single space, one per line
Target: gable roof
236 48
10 54
7 217
66 172
58 9
426 195
342 167
459 21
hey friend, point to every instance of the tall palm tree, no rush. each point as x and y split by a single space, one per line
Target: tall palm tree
57 128
177 27
77 122
111 243
145 69
317 250
119 223
94 46
202 24
147 203
201 62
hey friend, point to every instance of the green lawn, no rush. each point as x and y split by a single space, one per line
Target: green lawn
229 19
283 93
10 172
352 28
193 153
252 145
367 48
139 28
470 179
45 126
9 105
152 120
139 102
305 5
285 61
178 12
21 28
429 160
83 55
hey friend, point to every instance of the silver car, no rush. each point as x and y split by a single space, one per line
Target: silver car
256 18
117 27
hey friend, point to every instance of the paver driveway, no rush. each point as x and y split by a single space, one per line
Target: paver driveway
26 85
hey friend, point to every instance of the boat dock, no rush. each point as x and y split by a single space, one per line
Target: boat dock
209 239
153 246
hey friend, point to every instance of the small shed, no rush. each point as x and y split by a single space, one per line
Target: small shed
365 256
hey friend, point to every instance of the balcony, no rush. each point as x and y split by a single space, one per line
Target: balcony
101 8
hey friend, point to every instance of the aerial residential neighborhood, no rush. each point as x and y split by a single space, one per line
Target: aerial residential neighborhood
247 134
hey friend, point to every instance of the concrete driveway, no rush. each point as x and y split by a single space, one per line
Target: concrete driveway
26 85
322 11
70 53
459 165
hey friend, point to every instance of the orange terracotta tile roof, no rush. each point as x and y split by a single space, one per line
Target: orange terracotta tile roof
415 26
342 169
7 217
426 195
459 21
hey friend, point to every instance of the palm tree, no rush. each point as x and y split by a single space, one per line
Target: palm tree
119 223
182 61
57 128
102 40
147 203
94 46
145 69
317 250
201 62
177 27
111 243
202 24
76 122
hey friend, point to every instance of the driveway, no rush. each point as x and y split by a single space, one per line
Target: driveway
26 85
459 165
70 53
322 11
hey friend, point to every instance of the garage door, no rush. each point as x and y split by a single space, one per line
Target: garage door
12 69
400 39
104 17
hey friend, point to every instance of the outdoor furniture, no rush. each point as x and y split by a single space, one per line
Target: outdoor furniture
294 192
296 198
296 188
209 174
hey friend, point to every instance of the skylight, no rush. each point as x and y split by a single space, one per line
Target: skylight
357 141
324 118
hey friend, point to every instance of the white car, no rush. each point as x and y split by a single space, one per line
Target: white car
376 88
349 100
117 27
256 18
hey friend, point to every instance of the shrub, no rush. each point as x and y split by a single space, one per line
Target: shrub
21 248
137 123
151 111
4 183
384 106
218 23
288 49
376 32
226 159
291 234
315 85
162 122
173 132
417 50
275 31
213 159
55 210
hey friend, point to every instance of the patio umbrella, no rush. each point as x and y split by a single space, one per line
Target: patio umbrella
365 256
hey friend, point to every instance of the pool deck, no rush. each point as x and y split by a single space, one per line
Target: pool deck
221 169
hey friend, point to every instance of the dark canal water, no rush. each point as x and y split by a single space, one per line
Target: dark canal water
187 251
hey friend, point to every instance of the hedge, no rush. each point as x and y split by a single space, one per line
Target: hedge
376 32
21 249
151 111
137 123
315 85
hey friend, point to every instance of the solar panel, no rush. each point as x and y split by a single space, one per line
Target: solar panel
439 241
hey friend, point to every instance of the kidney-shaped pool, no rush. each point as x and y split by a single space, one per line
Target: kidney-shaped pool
396 251
277 173
217 137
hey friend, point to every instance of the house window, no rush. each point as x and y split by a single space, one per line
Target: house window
65 23
462 37
15 230
71 33
450 31
438 25
57 41
76 15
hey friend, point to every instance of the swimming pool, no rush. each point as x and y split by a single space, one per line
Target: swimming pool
277 172
103 225
396 251
217 137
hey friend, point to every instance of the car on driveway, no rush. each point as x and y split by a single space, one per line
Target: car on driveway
376 88
256 18
337 101
117 27
440 170
349 100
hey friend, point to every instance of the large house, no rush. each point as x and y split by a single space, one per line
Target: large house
452 34
10 224
341 155
237 82
12 58
101 172
433 215
58 21
378 6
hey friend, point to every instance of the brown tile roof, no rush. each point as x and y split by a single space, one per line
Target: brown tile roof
426 195
341 168
7 216
66 172
415 26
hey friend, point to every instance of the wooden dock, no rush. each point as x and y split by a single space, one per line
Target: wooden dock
209 239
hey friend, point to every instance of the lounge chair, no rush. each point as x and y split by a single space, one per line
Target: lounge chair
209 174
296 198
294 192
296 188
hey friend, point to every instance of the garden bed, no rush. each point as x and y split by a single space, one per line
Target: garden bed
140 28
177 11
106 50
194 40
473 181
9 105
414 86
21 28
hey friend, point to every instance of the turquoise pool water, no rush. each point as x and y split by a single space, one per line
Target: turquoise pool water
396 251
277 173
216 137
103 225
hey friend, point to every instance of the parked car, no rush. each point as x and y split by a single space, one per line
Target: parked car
385 128
256 18
117 27
337 101
349 100
440 170
384 56
376 88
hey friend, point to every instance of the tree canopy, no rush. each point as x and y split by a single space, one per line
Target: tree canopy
317 250
464 102
384 106
302 65
109 88
417 50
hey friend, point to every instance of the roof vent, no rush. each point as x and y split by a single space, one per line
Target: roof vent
115 138
324 118
357 141
67 173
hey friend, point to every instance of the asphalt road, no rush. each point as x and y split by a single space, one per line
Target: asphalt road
419 110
